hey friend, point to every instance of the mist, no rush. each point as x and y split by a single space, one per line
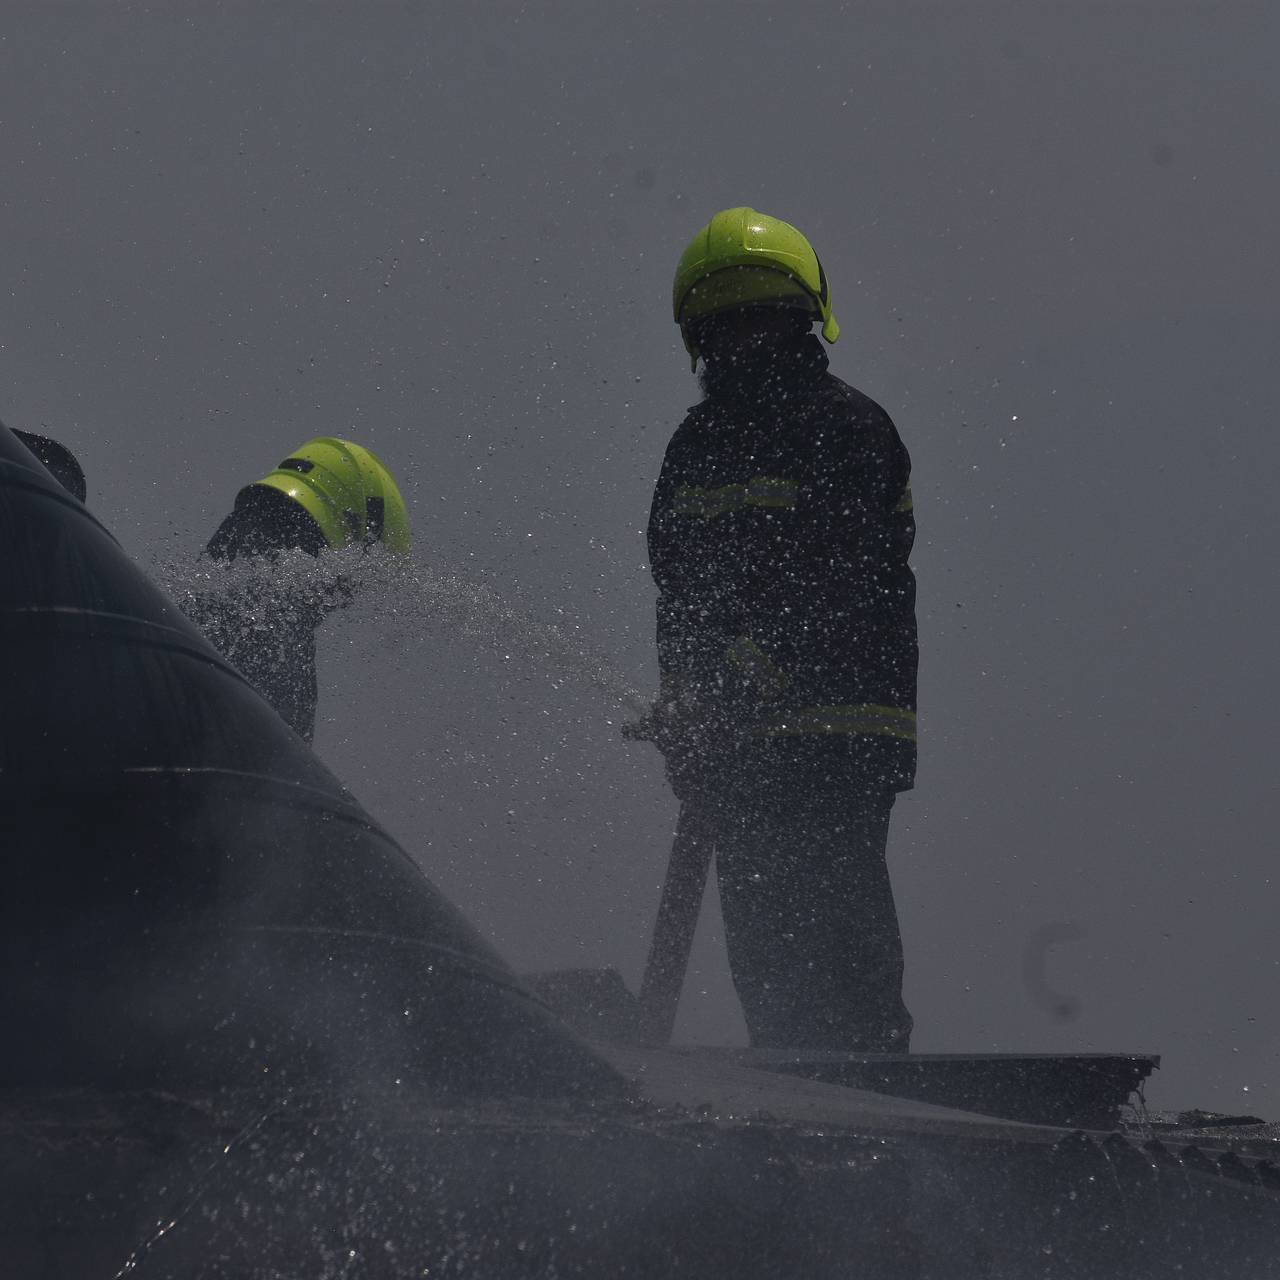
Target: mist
448 233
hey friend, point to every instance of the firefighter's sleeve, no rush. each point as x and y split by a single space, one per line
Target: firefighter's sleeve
865 522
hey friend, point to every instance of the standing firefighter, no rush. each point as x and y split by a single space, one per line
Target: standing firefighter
329 493
778 539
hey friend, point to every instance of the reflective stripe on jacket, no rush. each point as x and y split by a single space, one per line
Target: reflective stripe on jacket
760 491
866 718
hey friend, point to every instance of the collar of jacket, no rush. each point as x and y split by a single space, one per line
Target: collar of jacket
787 371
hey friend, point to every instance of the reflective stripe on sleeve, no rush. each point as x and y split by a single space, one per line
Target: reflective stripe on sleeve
864 718
760 491
765 491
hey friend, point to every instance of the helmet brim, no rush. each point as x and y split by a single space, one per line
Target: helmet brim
743 286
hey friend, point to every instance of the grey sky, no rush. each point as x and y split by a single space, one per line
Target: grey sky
448 231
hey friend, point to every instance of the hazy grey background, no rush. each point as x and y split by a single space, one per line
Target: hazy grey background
448 231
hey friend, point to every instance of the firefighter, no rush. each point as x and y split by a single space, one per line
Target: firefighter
778 540
329 493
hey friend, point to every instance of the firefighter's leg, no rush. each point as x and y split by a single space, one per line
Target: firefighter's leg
812 931
857 951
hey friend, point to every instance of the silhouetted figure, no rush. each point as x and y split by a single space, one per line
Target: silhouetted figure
778 539
326 494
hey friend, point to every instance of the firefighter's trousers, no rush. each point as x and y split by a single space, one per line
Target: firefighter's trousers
812 931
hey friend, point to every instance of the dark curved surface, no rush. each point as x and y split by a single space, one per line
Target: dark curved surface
189 896
58 460
190 899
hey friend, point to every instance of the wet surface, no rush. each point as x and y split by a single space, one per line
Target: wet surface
753 1177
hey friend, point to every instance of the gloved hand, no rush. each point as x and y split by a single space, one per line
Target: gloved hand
662 725
700 724
695 735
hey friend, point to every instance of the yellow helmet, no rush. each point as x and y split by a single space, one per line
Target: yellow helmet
346 490
744 258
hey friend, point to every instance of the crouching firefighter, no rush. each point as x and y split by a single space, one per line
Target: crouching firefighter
327 494
778 540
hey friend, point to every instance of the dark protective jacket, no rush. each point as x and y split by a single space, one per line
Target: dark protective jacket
264 622
778 539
